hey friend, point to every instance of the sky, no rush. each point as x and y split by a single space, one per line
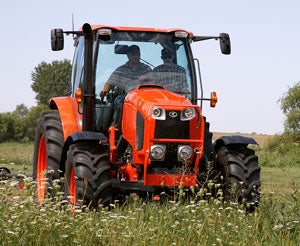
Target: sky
263 65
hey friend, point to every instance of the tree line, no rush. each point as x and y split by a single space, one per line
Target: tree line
48 80
53 79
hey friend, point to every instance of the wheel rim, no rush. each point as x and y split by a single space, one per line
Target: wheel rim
72 187
41 171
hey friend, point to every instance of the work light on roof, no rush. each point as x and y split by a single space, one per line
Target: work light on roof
181 34
104 32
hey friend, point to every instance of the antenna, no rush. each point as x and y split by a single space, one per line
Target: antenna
73 25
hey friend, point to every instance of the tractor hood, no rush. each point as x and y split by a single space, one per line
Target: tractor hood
151 113
146 96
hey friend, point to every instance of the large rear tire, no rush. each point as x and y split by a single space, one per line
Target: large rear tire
47 152
88 178
238 166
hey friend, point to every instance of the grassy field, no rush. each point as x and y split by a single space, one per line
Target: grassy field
194 222
16 156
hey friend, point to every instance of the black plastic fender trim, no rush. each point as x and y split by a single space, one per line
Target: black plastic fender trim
234 139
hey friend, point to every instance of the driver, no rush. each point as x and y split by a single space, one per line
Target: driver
127 75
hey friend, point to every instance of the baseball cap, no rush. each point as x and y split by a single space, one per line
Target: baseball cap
133 49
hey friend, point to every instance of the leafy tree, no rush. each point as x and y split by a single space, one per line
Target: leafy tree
32 119
51 80
6 127
19 128
21 110
19 125
290 105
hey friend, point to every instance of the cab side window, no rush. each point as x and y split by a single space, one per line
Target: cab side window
78 64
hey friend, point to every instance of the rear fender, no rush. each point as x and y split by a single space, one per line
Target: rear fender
70 117
233 140
87 137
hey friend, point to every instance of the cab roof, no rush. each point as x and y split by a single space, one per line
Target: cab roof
139 29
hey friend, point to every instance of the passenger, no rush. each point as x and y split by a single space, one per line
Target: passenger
169 74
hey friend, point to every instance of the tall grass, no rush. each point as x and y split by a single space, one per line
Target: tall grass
203 222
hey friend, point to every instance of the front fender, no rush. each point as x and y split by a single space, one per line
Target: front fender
235 140
71 119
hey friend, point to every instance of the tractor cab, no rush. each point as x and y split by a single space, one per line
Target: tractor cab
110 52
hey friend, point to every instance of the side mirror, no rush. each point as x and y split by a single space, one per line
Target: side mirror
57 39
225 43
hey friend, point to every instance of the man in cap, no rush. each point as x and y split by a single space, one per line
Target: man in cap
127 76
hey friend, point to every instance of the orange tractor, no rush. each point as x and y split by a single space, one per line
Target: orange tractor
158 143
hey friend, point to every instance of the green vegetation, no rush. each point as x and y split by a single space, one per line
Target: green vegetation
202 222
280 181
280 151
290 106
20 125
16 156
51 80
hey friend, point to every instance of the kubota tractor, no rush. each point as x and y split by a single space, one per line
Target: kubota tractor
159 143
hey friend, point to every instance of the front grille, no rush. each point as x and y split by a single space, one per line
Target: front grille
172 127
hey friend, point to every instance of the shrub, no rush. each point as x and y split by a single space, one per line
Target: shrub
279 151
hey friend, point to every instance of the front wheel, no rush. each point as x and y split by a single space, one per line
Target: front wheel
47 152
239 171
88 179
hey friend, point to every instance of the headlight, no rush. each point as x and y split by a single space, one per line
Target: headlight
184 152
158 152
187 114
158 113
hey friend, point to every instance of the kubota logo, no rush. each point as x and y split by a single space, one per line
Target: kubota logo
173 114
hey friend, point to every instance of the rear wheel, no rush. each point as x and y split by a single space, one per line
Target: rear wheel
47 152
88 179
240 174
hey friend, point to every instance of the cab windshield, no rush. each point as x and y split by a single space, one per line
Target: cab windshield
163 56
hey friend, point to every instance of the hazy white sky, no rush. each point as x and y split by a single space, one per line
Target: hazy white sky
264 62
